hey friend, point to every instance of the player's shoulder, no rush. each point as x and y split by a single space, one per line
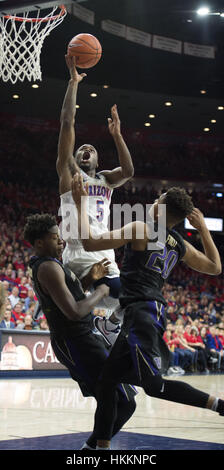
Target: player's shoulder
175 235
175 240
47 266
66 194
102 177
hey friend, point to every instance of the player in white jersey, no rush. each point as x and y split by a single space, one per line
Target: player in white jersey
100 190
74 255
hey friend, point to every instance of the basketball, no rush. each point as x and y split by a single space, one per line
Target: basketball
87 50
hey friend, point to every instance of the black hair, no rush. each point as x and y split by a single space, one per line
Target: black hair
178 203
37 226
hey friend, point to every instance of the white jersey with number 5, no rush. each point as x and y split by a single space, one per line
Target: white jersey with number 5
74 256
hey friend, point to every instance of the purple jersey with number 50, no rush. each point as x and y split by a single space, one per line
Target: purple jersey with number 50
143 273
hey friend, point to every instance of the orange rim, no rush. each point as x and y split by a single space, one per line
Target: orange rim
36 20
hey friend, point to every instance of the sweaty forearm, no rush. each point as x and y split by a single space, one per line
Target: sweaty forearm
69 105
72 309
87 281
86 305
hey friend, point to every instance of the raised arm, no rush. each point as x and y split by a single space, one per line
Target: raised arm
135 233
52 279
208 262
65 164
125 171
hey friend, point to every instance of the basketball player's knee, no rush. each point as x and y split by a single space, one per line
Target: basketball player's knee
154 386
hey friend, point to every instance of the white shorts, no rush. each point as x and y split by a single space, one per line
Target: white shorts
80 261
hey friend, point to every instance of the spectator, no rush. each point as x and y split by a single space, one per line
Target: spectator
203 302
6 322
14 297
27 324
6 287
23 291
195 341
186 332
192 311
183 315
17 311
214 345
205 319
210 359
31 309
20 322
203 334
187 353
175 356
29 284
29 299
43 324
9 276
171 314
19 263
20 275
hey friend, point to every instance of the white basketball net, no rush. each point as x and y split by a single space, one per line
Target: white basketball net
21 41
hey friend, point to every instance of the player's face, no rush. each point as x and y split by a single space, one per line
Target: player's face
154 209
87 157
52 245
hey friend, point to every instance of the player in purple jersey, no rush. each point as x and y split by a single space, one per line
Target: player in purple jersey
140 355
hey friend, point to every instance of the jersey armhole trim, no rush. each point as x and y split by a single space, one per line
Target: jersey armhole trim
65 194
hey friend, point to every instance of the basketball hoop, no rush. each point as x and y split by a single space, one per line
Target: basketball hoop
21 41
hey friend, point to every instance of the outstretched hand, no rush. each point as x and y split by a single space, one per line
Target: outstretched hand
114 123
71 64
78 189
100 269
